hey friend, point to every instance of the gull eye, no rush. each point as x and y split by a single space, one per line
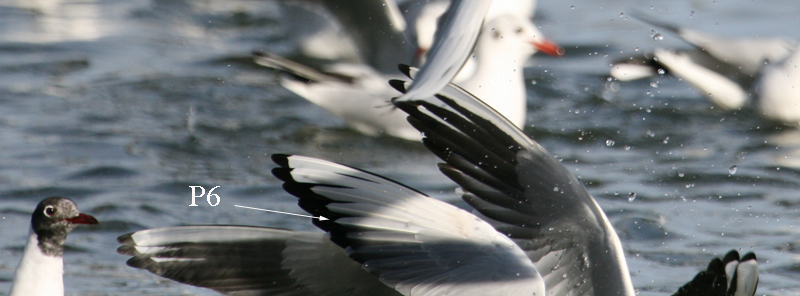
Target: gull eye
49 211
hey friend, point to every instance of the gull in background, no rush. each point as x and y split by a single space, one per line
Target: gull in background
423 17
358 93
41 270
381 33
535 230
376 28
729 72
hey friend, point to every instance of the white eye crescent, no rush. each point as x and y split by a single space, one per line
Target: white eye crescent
49 211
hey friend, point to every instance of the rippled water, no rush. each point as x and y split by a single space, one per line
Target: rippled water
95 95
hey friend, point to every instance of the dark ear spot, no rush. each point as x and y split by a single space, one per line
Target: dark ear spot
519 30
495 33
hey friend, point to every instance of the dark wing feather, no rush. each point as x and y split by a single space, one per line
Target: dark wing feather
727 277
523 191
242 260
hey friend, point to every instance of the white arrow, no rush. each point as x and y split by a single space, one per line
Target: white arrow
321 218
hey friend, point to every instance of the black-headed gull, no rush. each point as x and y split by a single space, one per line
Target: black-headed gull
535 230
730 72
358 93
41 270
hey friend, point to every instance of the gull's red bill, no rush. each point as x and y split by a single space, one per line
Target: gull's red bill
82 219
549 48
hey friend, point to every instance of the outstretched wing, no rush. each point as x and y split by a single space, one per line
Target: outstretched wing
413 243
243 260
527 194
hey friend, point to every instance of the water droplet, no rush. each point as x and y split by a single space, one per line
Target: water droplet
651 133
732 170
661 71
621 14
656 35
631 196
610 143
681 175
654 84
627 147
555 188
572 7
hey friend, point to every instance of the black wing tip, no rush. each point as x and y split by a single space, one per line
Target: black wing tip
450 171
716 266
126 239
138 262
445 166
283 174
410 107
733 255
300 190
749 256
126 250
405 69
399 85
281 159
